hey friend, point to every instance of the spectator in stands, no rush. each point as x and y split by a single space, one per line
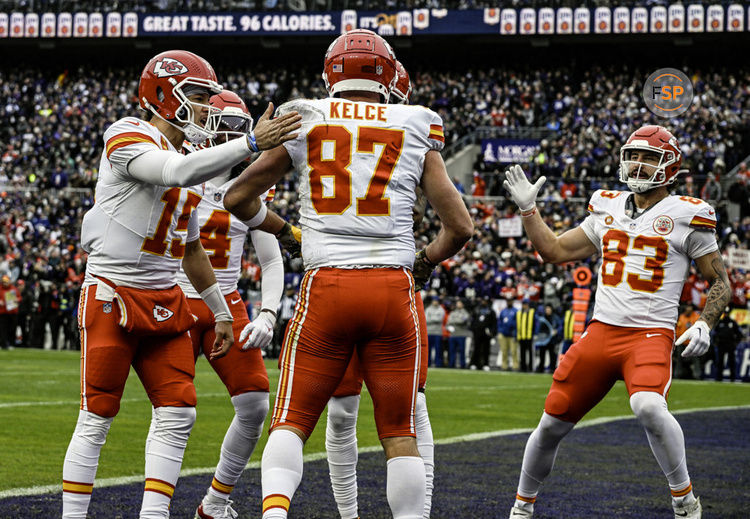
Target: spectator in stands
483 327
525 326
548 329
507 358
726 336
686 367
434 314
10 298
459 321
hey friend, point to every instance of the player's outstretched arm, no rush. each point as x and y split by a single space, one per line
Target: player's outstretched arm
570 246
242 199
457 226
711 267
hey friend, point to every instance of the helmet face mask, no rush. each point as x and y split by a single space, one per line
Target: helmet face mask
230 117
401 91
190 110
651 158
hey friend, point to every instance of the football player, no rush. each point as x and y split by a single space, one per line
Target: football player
242 369
343 407
360 161
647 239
132 312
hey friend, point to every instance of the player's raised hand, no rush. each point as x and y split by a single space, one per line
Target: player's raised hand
258 334
699 337
521 190
269 133
224 339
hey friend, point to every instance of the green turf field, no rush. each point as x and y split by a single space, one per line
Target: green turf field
39 395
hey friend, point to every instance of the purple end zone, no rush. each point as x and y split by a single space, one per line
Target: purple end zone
602 471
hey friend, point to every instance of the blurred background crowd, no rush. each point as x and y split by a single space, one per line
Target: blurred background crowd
50 147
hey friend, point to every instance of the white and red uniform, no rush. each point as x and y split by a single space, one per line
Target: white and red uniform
135 236
359 165
223 237
645 261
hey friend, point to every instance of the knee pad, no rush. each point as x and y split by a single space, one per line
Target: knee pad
251 409
103 405
172 425
342 412
92 427
557 403
648 407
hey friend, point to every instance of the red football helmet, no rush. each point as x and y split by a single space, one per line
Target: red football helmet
167 81
360 60
233 119
655 139
402 89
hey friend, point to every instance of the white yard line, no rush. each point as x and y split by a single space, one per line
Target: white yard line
111 482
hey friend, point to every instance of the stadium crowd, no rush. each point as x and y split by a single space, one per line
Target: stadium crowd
50 145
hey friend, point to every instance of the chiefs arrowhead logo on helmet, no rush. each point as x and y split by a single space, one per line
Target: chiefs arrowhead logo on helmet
169 67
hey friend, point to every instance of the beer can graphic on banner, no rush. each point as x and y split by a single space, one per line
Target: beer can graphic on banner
130 25
31 25
348 20
403 23
80 25
564 20
546 24
528 21
582 20
676 15
621 22
696 18
508 21
602 20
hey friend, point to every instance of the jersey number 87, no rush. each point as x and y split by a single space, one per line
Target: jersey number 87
374 202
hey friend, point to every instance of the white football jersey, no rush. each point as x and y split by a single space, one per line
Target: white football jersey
136 232
645 260
222 236
359 166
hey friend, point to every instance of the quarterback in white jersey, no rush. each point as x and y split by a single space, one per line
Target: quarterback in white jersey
132 312
647 240
359 163
242 371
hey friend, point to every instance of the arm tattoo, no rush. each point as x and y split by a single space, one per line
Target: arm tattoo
719 295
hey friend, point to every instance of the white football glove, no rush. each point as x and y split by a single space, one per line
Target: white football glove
258 334
699 336
521 190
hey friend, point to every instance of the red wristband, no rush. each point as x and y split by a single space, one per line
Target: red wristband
530 212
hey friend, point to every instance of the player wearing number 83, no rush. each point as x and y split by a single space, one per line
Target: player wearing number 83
647 240
360 162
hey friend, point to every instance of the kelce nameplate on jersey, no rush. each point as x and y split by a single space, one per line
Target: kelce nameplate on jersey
368 112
